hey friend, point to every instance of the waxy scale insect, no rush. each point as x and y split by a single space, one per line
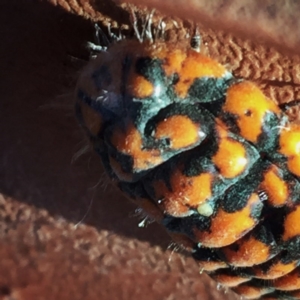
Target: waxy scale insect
206 154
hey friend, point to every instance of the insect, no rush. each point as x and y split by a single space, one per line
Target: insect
206 154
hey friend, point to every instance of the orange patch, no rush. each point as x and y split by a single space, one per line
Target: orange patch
196 66
210 266
170 205
251 292
139 87
289 142
249 104
129 141
173 61
275 187
250 252
292 224
289 282
228 279
226 228
231 157
181 131
185 192
278 269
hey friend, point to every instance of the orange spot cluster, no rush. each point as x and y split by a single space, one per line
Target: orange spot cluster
189 64
229 234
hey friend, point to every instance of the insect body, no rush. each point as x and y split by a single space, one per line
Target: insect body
204 153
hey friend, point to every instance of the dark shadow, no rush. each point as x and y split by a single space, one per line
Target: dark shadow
41 48
110 9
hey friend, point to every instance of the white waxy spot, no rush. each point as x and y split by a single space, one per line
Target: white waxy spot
205 209
201 134
157 90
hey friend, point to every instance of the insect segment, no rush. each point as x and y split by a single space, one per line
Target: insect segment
204 153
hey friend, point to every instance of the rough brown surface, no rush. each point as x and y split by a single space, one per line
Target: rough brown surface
275 22
64 233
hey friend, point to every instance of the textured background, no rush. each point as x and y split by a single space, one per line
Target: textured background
275 22
65 233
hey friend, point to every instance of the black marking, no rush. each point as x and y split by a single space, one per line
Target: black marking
102 77
286 106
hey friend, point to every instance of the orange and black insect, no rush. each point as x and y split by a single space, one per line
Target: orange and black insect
204 153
